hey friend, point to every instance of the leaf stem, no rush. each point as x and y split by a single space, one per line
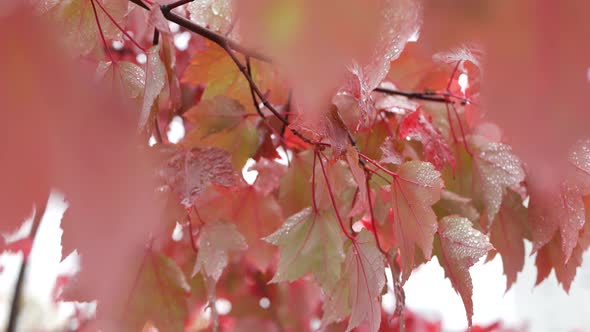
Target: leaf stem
104 41
117 25
373 223
315 206
333 200
376 164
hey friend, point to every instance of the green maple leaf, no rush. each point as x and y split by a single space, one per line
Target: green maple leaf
309 243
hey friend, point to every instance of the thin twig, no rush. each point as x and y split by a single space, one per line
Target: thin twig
414 95
373 221
15 306
178 4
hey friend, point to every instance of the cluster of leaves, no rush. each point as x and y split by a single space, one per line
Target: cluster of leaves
366 158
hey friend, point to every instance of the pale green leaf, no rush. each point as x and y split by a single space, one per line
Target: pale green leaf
310 243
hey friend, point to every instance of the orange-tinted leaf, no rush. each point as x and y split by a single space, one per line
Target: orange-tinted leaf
461 246
215 115
214 67
240 141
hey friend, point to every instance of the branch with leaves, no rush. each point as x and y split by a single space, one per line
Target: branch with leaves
353 174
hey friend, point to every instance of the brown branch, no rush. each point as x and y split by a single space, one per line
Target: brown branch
140 4
213 36
178 3
252 93
414 95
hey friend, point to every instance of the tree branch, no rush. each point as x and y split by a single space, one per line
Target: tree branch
140 4
213 36
15 305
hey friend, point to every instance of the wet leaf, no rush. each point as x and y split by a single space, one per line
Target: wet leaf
309 243
461 246
216 240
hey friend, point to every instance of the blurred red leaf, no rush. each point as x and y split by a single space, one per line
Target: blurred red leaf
418 125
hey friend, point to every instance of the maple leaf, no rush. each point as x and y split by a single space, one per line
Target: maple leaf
126 78
254 214
215 68
189 172
78 19
358 292
452 203
461 246
216 239
389 153
269 174
159 294
327 126
214 115
550 257
295 186
214 14
168 57
155 75
507 235
497 168
579 158
418 125
562 209
309 243
222 122
415 189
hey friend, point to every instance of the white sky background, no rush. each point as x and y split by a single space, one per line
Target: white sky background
545 308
